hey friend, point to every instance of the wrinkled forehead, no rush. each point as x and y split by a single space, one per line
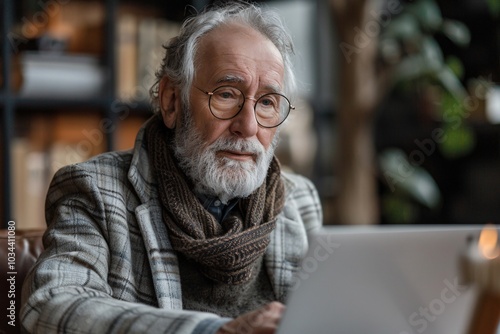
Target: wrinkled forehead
229 38
238 48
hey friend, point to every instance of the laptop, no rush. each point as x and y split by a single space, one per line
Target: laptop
383 280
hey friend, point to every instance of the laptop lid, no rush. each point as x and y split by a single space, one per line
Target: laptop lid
386 280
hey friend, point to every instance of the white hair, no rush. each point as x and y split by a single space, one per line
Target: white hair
179 61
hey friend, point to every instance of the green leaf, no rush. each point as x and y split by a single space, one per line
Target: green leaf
458 141
457 32
494 7
398 210
451 83
456 66
432 51
403 27
408 178
428 14
390 50
428 62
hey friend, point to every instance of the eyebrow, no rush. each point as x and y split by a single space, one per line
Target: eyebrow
237 79
230 79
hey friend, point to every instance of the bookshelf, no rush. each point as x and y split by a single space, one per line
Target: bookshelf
42 126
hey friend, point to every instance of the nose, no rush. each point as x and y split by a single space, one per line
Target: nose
245 124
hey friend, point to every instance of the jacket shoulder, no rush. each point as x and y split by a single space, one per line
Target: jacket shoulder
110 165
302 195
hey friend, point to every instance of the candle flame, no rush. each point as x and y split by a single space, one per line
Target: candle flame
488 242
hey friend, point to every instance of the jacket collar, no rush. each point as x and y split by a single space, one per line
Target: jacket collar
140 174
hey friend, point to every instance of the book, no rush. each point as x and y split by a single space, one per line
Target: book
126 46
153 34
61 76
29 186
140 40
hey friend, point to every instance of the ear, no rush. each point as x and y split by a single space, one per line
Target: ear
170 102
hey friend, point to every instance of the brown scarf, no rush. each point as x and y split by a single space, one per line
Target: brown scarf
225 252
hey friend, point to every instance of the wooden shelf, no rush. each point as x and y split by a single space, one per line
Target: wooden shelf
40 103
24 112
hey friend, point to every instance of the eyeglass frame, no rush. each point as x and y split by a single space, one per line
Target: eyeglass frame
210 94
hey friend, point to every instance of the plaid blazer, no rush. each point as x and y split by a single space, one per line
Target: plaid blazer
108 265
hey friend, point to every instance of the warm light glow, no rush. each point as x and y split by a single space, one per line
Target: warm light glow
488 242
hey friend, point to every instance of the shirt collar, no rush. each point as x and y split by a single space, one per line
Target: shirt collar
215 206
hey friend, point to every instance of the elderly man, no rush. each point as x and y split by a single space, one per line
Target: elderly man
196 230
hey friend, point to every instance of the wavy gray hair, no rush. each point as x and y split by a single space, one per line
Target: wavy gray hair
179 61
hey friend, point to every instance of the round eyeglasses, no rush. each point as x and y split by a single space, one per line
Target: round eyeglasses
270 109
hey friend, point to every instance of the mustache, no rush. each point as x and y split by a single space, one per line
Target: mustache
238 144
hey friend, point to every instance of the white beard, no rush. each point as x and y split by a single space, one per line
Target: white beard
222 177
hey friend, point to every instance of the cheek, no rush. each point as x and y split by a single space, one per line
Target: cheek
266 136
211 129
207 126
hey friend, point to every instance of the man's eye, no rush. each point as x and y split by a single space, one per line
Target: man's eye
267 102
226 95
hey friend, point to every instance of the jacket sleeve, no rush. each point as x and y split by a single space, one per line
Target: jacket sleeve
69 290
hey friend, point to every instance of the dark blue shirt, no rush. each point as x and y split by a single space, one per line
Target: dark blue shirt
216 207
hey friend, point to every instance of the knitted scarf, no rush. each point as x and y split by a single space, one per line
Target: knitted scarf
226 251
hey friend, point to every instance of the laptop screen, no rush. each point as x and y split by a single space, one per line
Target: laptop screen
387 280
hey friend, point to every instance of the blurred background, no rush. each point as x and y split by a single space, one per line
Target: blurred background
398 108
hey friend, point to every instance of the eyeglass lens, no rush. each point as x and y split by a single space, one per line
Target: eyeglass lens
270 109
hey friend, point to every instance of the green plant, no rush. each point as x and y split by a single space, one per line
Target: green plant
408 43
408 47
